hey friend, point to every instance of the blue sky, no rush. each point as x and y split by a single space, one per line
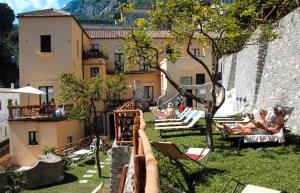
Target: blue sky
20 6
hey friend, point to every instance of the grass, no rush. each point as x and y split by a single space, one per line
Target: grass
72 176
276 167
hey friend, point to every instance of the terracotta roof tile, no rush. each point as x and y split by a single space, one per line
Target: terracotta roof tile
117 33
45 13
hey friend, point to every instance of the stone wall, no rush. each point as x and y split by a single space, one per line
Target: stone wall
269 74
120 157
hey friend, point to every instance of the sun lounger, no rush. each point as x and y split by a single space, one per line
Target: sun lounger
198 155
263 138
248 188
245 119
185 121
185 113
190 126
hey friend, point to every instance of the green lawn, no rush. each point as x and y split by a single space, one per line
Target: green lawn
276 167
72 176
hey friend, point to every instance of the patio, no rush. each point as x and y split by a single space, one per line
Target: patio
275 167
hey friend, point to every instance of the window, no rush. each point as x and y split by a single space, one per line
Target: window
69 139
144 66
5 131
119 62
148 92
94 47
186 80
198 52
49 96
200 78
33 138
169 51
0 105
45 43
16 102
94 71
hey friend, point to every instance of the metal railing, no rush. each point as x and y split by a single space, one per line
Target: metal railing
36 112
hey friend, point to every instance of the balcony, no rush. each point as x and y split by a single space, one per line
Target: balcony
37 113
94 54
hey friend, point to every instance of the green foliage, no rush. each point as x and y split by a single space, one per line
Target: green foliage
16 180
83 94
50 149
8 69
7 18
226 28
276 167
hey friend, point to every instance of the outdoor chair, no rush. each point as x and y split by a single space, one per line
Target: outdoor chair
190 126
103 144
238 140
185 113
169 149
185 121
247 188
69 157
246 119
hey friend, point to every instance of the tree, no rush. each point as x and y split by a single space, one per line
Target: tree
226 28
7 18
86 95
9 72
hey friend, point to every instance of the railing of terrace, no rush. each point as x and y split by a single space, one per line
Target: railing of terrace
76 145
34 111
146 172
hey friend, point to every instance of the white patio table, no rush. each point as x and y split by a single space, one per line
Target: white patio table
82 152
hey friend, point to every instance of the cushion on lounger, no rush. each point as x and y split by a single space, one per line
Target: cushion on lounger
258 189
277 137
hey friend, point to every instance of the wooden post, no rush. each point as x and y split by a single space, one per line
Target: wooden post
136 174
116 125
135 139
139 174
122 179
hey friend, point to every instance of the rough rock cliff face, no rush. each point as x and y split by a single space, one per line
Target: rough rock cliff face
102 9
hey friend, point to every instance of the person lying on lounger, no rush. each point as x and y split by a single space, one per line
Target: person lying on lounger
169 113
262 125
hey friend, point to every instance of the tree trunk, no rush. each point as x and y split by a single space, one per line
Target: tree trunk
97 132
209 133
97 159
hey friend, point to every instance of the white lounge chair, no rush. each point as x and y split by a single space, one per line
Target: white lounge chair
185 113
248 188
190 126
184 122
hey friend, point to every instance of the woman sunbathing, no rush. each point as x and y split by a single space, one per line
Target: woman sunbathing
263 125
169 113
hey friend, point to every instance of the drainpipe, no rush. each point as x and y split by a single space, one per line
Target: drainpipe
82 67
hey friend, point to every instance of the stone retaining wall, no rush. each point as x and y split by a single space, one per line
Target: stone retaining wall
269 74
120 157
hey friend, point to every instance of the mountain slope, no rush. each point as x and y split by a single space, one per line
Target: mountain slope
102 9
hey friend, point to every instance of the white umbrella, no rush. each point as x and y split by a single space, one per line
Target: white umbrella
29 90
